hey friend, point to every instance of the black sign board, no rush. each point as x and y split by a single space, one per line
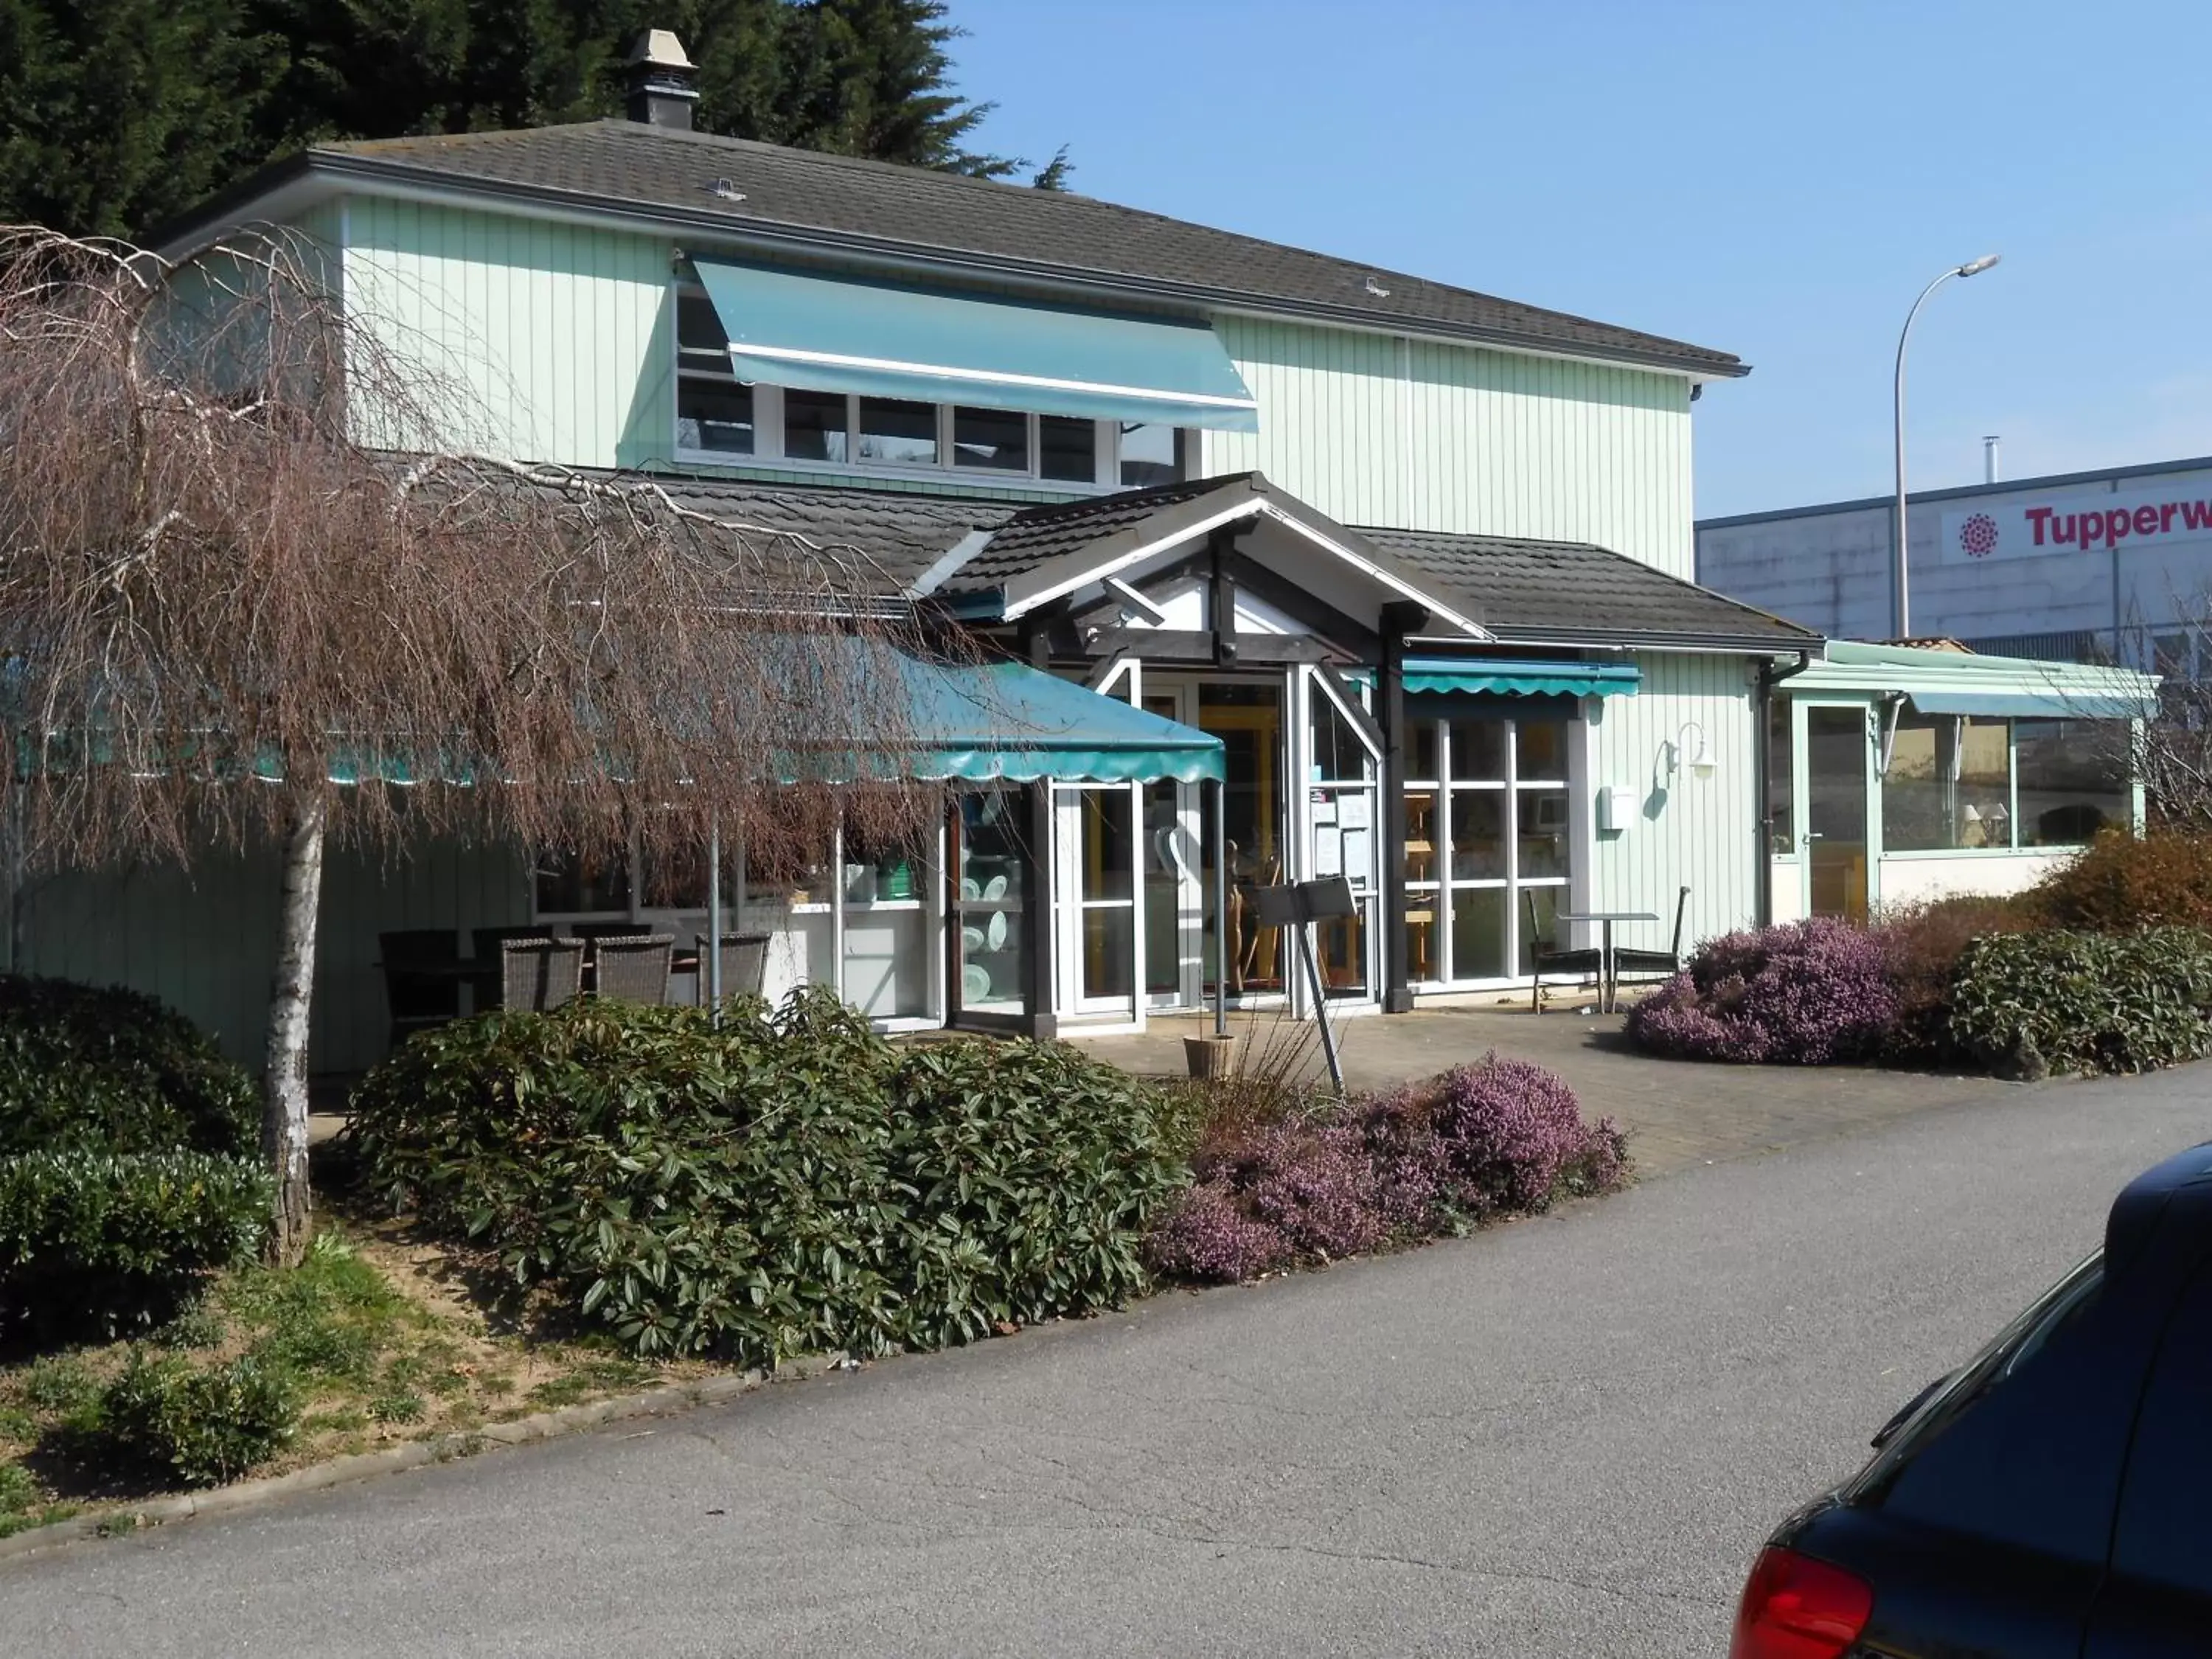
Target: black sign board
1303 901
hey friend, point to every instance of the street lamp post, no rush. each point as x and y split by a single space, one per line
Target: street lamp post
1900 585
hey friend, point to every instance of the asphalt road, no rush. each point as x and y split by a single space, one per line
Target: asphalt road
1564 1436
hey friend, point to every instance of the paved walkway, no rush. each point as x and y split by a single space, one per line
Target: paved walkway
1677 1113
1560 1439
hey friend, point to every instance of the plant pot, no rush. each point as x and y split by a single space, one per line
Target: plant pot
1208 1056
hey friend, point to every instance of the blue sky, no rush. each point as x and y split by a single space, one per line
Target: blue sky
1778 180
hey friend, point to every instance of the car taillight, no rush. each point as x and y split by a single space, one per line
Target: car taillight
1795 1607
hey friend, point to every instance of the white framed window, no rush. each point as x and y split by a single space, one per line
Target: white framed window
1489 843
721 420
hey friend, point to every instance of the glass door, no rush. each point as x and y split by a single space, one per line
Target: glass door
1094 897
1247 717
989 867
1345 765
1835 743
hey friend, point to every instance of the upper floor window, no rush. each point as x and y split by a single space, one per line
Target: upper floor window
721 418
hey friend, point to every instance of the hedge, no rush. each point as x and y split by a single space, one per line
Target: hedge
99 1240
2028 1003
113 1070
775 1186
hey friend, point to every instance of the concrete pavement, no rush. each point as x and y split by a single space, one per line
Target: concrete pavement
1565 1436
1677 1113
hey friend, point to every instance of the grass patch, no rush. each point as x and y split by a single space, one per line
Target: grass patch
375 1338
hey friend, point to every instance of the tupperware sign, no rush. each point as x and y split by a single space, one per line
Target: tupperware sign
2078 524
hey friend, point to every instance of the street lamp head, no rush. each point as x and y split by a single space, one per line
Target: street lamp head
1976 267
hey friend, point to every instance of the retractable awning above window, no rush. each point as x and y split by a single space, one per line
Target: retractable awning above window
1507 678
841 334
2033 705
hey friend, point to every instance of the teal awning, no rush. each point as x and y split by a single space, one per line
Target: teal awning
839 334
975 722
1009 721
1502 677
2047 705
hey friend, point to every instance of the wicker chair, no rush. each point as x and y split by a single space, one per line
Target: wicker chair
537 975
1545 958
745 964
419 1000
634 967
487 985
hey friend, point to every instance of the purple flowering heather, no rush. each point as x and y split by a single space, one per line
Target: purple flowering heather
1810 993
1207 1235
1493 1139
1413 1168
1510 1128
1315 1181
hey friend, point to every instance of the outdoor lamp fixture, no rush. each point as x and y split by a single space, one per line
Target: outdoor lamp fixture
1689 748
1900 589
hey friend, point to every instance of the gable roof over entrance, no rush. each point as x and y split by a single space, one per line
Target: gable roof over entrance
1048 553
1484 587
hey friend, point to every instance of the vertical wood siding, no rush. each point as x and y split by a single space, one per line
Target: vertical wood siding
548 341
1688 829
1424 435
205 940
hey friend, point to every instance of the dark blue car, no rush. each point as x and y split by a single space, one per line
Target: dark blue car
2053 1498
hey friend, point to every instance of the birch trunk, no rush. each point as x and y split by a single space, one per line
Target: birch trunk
284 1084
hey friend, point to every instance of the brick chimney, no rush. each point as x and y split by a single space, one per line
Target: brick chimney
659 83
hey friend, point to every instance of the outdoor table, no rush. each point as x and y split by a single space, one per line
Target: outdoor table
1607 991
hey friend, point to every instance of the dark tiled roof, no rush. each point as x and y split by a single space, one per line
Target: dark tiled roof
838 202
898 535
1037 535
1568 589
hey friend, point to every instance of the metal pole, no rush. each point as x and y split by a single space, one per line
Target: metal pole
713 965
1303 932
1900 581
1221 944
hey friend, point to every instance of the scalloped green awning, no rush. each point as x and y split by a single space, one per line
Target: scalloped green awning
982 723
1508 678
1007 721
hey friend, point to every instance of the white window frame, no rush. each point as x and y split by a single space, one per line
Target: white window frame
769 434
1444 889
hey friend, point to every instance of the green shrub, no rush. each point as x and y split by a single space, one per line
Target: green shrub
2123 882
1921 944
112 1070
1035 1171
775 1186
197 1426
2085 1002
97 1241
58 1383
18 1491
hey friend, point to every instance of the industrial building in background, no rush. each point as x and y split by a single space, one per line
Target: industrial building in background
2106 567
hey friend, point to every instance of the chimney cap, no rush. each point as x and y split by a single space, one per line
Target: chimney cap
659 48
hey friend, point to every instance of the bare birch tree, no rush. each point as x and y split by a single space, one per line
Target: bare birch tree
242 594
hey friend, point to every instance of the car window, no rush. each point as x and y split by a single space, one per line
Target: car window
2162 1533
2026 1448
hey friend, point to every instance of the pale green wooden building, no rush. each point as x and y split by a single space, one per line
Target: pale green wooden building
1418 557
